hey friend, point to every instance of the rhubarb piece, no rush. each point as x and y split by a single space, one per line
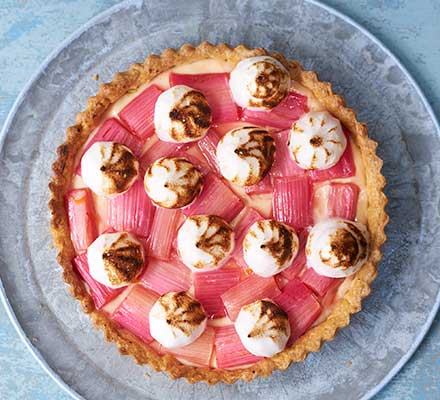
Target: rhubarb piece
100 293
132 314
138 115
112 131
344 168
247 291
193 154
230 352
81 214
342 200
163 277
300 260
248 217
301 306
131 211
208 147
216 198
318 283
283 164
292 201
280 117
158 150
209 286
198 353
163 232
215 87
281 281
262 187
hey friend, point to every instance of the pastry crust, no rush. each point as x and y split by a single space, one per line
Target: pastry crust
127 343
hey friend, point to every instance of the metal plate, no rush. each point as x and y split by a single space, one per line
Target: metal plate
405 296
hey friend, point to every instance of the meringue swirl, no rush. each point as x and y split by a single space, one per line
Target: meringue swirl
259 83
109 168
182 115
337 248
263 328
245 155
176 320
204 242
116 259
317 141
172 182
269 247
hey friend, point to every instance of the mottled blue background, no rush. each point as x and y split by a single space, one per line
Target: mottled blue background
30 30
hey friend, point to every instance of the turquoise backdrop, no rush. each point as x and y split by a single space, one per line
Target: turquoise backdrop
31 29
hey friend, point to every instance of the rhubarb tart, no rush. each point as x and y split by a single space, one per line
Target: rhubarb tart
218 212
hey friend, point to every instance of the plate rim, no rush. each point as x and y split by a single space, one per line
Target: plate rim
125 4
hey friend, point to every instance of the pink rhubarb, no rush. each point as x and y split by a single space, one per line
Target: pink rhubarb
208 147
280 117
230 352
251 289
112 131
345 167
292 201
198 353
216 198
163 232
300 260
209 286
138 115
215 87
132 314
166 276
342 200
131 211
301 306
100 293
81 215
318 283
283 165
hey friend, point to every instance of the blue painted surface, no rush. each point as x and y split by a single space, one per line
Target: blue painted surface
29 30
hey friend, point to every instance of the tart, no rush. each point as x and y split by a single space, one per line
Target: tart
218 212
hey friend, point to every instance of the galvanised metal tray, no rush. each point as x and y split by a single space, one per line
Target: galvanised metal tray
405 296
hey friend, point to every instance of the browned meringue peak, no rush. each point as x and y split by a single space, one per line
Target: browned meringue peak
116 259
172 182
269 247
317 140
337 248
259 83
204 242
109 168
245 155
263 328
177 319
182 115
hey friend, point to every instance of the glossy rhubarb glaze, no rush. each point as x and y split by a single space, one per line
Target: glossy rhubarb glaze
262 203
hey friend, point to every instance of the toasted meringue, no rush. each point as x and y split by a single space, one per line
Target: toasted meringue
176 320
172 182
269 247
204 242
245 155
317 141
337 248
181 115
263 328
109 168
116 259
259 83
